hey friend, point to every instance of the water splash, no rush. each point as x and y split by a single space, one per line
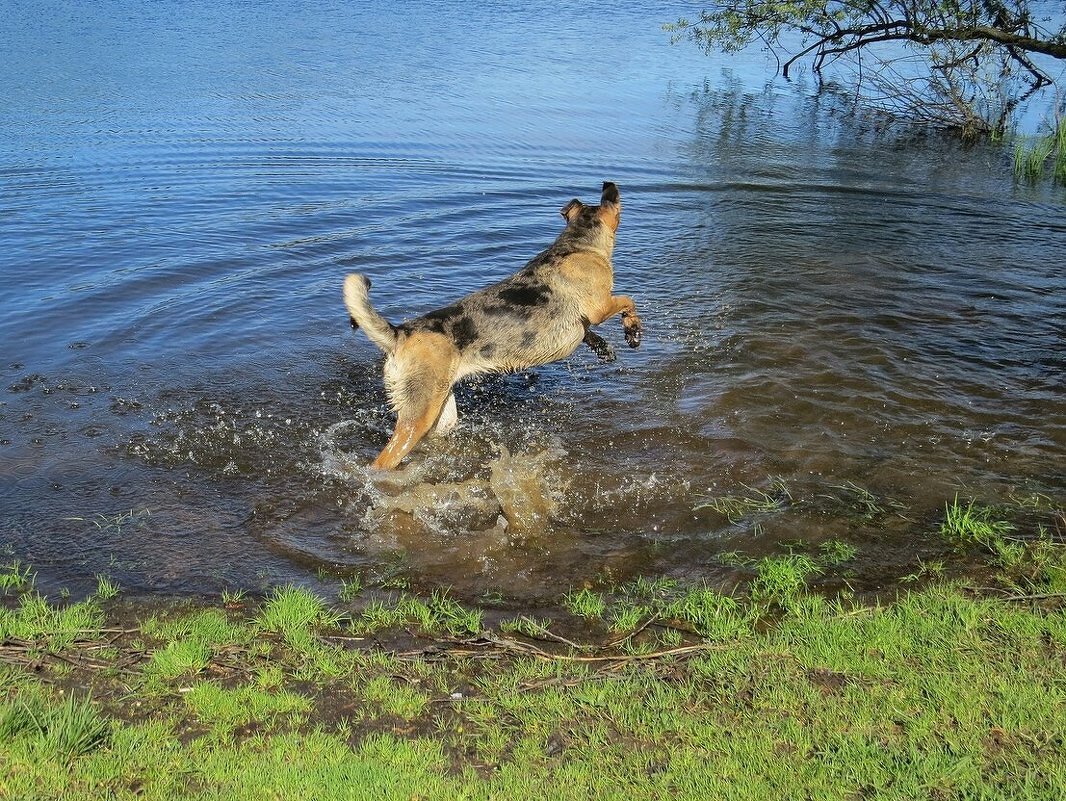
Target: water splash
517 495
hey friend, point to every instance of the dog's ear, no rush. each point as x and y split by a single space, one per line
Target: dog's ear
571 209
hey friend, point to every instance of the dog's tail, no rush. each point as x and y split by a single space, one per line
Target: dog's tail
380 331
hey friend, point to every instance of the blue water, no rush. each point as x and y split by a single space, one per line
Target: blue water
183 407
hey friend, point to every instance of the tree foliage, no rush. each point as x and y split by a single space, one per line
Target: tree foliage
969 46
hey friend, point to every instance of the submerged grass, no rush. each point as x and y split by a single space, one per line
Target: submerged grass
755 501
670 690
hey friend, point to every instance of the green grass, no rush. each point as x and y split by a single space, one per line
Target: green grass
835 552
294 613
223 710
973 524
586 603
440 614
388 696
234 598
782 579
1038 156
52 730
51 627
351 588
106 588
15 576
673 690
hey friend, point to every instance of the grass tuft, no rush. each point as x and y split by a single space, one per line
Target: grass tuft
351 588
971 524
781 580
106 589
586 603
295 613
51 730
56 627
15 576
440 614
1037 156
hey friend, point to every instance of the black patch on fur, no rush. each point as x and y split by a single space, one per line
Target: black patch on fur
487 351
443 314
438 321
526 294
464 332
507 310
528 338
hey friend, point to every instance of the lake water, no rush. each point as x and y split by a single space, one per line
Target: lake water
849 326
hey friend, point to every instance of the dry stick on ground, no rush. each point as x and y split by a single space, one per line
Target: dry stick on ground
24 653
1008 596
513 646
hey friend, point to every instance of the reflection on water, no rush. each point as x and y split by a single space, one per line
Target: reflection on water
851 326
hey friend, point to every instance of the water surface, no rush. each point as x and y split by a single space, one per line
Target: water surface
852 325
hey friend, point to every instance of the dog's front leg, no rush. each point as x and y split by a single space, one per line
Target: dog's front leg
631 323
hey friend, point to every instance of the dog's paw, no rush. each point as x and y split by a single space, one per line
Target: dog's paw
600 346
604 352
634 331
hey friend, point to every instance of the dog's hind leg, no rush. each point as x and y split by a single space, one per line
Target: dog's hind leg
449 417
419 380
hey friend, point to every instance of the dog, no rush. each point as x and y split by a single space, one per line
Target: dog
538 315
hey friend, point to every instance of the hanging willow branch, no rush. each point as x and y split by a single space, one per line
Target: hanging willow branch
828 29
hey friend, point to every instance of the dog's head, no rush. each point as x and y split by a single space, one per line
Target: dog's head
595 221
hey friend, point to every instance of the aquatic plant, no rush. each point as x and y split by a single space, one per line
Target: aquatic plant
757 501
973 525
1037 156
105 587
15 576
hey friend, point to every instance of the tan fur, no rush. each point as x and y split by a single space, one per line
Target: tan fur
538 315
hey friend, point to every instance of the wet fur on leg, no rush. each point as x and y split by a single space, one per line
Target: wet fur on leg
540 314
